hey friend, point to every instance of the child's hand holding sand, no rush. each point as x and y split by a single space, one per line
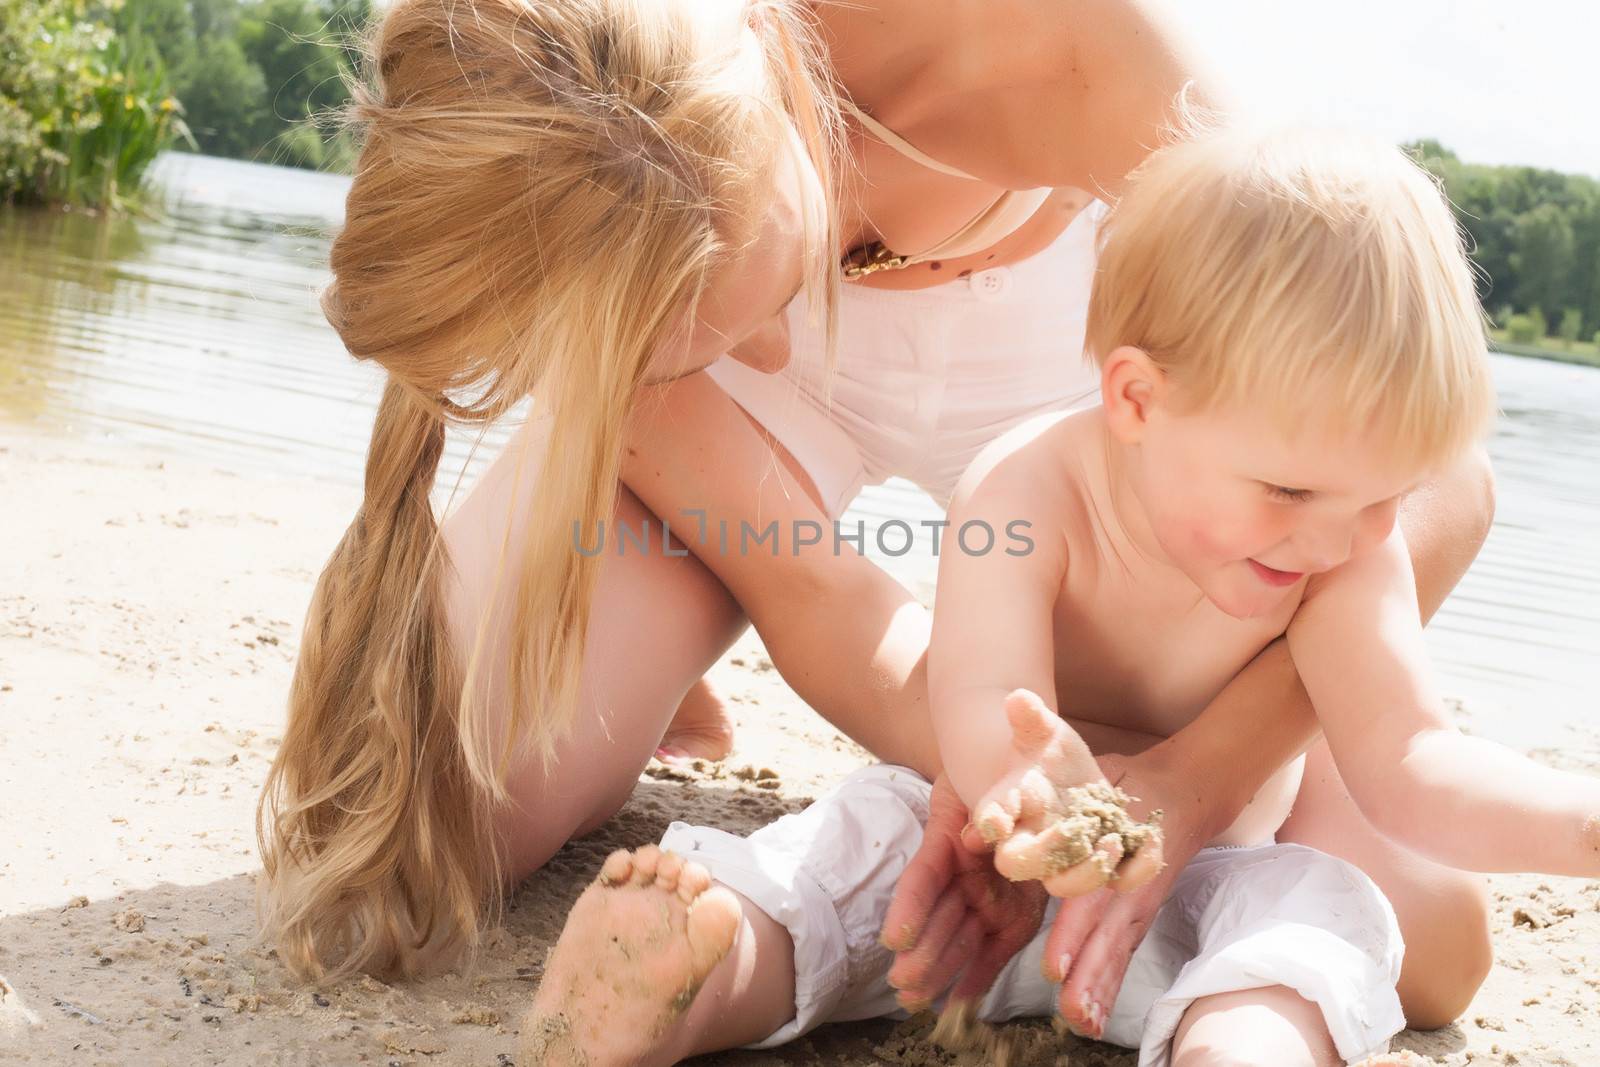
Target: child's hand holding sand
1054 818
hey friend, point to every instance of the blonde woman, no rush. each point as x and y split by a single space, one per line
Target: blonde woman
747 255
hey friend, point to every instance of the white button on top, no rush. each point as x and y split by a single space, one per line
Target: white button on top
990 283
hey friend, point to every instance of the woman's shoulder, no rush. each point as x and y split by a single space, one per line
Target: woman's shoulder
1038 92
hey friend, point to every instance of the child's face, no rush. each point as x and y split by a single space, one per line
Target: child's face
1248 512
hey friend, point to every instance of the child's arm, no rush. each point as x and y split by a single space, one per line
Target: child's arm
1461 801
992 621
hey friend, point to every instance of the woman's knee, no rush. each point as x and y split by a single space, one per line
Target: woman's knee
1448 954
1446 523
1475 483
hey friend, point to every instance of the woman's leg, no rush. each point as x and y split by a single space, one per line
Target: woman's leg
1443 913
658 622
657 964
1269 1027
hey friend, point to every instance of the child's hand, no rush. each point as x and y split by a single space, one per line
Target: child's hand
1054 818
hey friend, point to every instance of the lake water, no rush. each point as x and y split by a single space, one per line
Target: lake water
199 332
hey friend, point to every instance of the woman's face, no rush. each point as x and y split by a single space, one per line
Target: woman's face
742 311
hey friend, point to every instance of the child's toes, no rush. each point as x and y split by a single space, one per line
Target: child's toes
692 881
644 864
712 924
618 867
668 871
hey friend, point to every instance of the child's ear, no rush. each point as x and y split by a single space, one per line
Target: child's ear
1130 386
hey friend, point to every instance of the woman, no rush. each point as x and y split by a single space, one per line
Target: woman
612 204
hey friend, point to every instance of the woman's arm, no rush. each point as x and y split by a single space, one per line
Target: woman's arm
845 635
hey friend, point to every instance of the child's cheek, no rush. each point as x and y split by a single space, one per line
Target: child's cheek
1218 538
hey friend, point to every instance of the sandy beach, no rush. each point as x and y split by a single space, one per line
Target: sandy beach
150 610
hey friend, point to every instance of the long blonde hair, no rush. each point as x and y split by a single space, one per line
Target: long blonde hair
544 188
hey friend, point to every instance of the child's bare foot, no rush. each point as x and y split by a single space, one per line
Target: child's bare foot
701 729
635 950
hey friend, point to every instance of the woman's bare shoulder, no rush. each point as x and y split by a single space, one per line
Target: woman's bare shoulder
1038 92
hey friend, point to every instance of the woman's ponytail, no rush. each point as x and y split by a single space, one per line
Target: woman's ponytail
375 841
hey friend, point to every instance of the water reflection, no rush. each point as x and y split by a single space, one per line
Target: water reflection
198 330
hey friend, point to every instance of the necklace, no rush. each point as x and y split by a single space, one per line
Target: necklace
870 258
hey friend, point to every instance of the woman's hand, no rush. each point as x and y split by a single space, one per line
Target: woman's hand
953 913
952 909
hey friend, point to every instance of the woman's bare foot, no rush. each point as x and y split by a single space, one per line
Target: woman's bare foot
635 950
701 729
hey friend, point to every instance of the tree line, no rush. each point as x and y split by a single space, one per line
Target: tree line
1535 240
252 74
92 90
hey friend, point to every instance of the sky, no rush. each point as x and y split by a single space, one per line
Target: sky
1497 82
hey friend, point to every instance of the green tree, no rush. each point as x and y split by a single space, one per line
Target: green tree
1543 257
227 101
1521 330
215 19
1586 258
166 24
290 42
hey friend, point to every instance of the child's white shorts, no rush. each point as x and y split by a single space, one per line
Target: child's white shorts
1238 918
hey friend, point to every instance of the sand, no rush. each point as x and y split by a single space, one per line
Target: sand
150 610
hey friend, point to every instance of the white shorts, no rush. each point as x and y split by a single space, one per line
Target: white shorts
925 379
1237 918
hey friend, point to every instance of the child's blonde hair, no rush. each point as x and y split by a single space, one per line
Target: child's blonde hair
1313 273
543 191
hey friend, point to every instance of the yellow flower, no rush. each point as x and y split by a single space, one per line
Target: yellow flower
127 101
168 104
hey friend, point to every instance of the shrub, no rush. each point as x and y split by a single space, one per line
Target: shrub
82 113
1521 330
1541 325
1571 325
